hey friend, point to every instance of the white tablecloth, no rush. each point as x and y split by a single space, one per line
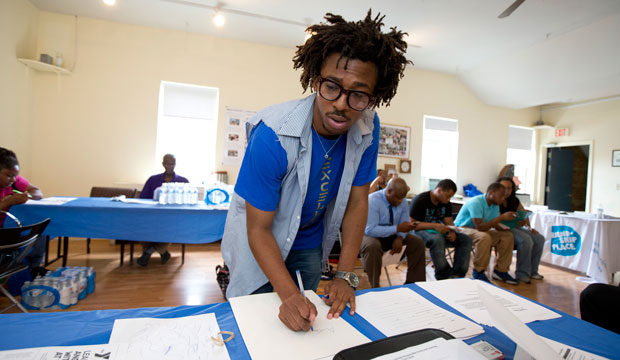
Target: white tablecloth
580 241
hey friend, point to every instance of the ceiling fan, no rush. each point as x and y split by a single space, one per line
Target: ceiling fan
511 8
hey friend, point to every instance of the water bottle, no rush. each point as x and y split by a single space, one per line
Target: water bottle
65 294
164 194
74 290
178 199
194 197
82 281
90 283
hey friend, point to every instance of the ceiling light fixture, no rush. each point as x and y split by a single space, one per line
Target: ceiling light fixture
219 8
109 2
218 19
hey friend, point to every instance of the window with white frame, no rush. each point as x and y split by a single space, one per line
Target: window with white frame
440 143
522 155
187 128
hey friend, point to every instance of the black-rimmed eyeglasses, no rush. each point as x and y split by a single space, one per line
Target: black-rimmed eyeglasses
331 91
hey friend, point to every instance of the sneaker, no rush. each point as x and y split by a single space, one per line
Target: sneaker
505 277
524 279
165 257
479 276
537 277
143 260
223 278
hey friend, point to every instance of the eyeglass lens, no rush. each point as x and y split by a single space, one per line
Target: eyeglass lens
331 91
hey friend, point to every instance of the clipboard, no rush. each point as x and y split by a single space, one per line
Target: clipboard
391 344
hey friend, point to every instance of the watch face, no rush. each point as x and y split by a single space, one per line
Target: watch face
353 280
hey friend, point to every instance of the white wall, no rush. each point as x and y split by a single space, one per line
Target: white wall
18 35
97 126
598 122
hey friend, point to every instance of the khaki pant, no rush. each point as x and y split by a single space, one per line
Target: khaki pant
483 241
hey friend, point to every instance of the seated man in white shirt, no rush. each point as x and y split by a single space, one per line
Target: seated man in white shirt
387 229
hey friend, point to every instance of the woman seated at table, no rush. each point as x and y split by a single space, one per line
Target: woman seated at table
15 190
529 242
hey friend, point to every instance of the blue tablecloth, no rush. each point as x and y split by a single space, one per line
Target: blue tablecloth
94 327
107 219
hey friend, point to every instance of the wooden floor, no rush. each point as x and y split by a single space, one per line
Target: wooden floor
194 283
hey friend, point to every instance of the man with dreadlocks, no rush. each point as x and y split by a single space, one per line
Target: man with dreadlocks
307 170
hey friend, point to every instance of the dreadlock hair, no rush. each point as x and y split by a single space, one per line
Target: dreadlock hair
8 159
361 40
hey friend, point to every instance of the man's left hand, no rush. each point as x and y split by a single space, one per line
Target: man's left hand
339 293
451 236
397 246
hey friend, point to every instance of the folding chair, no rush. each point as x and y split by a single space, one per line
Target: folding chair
15 243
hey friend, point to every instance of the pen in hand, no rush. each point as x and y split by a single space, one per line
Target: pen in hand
19 192
301 289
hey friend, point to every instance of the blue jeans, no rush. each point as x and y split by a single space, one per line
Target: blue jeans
529 250
308 262
37 252
437 243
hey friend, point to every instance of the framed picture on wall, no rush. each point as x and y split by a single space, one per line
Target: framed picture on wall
615 157
394 141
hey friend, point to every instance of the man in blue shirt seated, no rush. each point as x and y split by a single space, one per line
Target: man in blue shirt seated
169 162
387 229
307 169
433 211
479 219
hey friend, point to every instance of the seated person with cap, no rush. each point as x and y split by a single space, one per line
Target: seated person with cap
387 229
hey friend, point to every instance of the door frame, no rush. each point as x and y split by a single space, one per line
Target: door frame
542 169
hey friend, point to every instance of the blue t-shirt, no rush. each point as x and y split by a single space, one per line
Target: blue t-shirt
264 166
476 208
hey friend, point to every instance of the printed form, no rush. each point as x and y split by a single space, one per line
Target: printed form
462 295
402 310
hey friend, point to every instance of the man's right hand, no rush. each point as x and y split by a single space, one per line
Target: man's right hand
451 236
297 312
441 228
507 216
406 227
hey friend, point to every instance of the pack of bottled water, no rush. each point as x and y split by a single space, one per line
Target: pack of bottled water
59 289
176 194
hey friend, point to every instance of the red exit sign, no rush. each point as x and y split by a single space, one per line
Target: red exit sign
561 132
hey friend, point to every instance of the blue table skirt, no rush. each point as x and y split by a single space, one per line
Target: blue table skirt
107 219
94 327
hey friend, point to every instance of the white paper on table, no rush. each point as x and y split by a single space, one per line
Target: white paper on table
566 352
266 337
402 310
515 329
51 201
388 259
175 338
139 201
437 349
462 295
80 352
